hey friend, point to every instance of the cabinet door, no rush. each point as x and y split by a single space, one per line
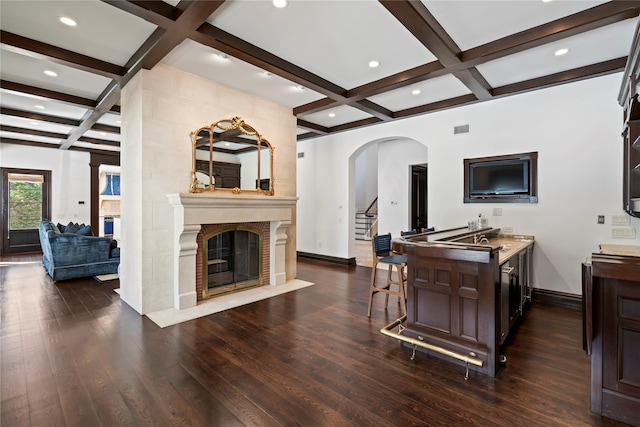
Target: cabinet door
631 167
621 347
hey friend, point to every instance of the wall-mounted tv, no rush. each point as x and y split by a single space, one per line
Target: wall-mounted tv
501 179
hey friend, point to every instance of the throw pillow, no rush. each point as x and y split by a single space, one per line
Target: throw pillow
60 227
85 231
115 253
72 228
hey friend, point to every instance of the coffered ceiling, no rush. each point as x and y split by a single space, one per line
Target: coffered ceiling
312 55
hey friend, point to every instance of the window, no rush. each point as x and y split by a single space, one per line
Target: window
110 184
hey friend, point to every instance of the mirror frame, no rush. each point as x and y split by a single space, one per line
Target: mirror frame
228 125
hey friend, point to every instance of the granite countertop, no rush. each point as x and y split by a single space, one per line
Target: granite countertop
510 245
624 250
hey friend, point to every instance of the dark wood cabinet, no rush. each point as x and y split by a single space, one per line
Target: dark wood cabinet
227 175
453 301
611 322
463 298
628 99
631 165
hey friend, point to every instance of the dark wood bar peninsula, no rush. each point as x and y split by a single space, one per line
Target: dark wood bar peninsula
465 290
611 325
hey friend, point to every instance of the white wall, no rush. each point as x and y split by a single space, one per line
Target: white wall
366 170
70 178
395 158
575 128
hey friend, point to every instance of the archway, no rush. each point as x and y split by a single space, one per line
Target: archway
393 159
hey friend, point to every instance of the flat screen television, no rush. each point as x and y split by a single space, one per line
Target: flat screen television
510 178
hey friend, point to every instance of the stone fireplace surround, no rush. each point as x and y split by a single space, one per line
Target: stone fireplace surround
191 211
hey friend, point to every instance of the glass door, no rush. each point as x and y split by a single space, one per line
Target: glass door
25 202
232 262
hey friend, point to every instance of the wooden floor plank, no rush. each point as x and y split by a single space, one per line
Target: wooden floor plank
72 353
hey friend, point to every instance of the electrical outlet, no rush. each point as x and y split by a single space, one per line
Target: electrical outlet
623 233
619 220
600 219
507 229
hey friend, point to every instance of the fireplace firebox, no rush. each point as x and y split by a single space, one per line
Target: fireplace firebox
231 261
232 257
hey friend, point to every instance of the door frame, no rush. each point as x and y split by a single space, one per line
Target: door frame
5 248
422 170
95 162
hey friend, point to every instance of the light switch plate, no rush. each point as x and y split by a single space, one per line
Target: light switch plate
623 233
620 220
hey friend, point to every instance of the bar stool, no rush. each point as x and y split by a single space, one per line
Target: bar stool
382 253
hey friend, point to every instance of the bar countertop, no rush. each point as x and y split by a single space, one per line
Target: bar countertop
623 250
508 245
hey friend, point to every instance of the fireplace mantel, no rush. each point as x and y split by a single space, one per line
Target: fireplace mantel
191 210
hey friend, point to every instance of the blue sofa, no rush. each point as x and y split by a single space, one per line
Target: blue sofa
70 255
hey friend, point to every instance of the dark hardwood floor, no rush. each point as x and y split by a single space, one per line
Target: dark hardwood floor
73 354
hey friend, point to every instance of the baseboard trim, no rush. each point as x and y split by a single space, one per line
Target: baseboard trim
327 258
557 298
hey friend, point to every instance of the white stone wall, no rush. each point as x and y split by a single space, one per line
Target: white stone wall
160 108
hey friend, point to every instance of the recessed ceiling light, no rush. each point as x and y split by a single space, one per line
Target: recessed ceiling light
265 74
35 123
118 121
298 88
40 107
68 21
222 56
546 1
561 52
51 73
280 3
373 64
332 114
415 92
226 144
103 133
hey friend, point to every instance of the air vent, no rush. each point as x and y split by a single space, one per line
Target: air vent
460 129
300 155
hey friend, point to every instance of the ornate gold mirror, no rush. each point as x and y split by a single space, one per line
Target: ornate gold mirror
231 155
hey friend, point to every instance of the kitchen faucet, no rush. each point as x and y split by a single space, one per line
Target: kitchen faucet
480 239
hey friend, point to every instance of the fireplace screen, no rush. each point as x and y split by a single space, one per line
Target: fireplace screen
232 261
